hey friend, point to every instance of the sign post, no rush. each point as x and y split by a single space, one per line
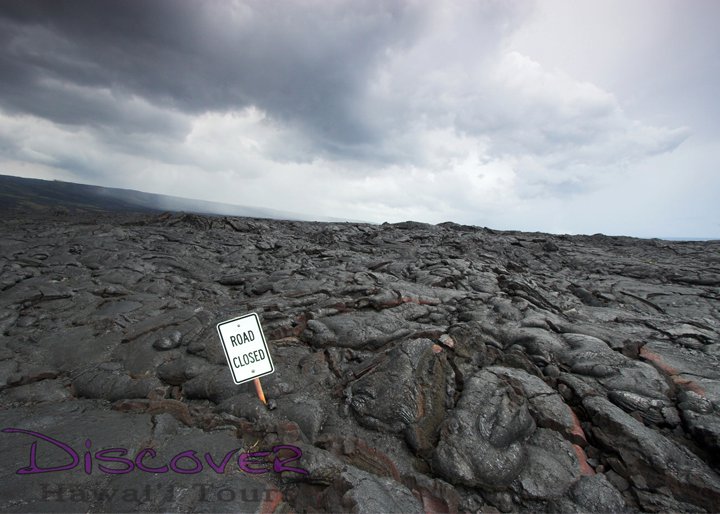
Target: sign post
246 350
259 391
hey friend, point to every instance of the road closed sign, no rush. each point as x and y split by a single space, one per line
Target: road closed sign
245 348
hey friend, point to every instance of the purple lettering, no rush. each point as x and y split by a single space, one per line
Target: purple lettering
219 469
142 467
245 459
188 454
279 465
255 462
122 451
88 457
33 467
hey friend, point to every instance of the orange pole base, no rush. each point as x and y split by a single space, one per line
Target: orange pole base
259 390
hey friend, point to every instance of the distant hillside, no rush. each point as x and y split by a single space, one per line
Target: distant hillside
35 194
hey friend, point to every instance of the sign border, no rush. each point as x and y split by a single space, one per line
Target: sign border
227 356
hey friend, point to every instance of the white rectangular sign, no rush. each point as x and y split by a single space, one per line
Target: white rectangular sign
245 348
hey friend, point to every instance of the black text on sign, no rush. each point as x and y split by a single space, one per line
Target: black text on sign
245 348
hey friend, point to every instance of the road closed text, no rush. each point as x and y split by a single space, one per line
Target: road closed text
246 350
248 358
245 337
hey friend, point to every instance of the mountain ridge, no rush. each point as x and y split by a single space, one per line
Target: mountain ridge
30 193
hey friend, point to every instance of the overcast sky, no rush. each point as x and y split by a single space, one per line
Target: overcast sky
574 116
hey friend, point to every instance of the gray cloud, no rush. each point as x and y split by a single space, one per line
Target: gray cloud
384 109
350 79
303 65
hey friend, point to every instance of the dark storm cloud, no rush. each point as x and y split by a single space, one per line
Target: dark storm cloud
304 64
